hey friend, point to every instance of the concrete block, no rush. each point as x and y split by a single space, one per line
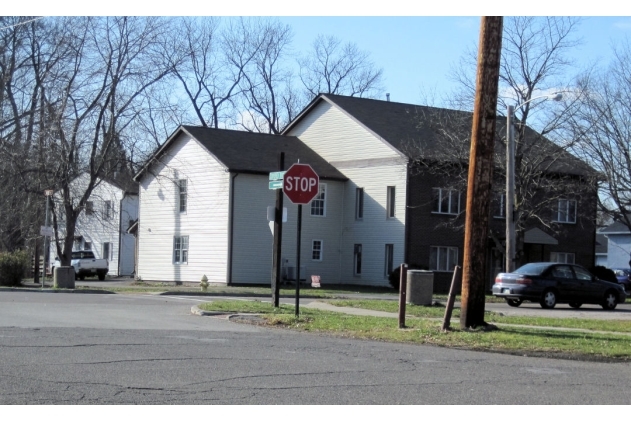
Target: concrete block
420 287
63 277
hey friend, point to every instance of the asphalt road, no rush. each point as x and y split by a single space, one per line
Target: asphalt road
147 349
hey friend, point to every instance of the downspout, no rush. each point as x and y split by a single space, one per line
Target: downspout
120 233
406 246
342 219
231 229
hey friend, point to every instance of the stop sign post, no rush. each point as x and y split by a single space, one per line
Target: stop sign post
300 184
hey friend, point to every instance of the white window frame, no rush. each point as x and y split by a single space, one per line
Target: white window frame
391 192
359 203
564 213
357 259
319 202
317 247
446 258
562 257
180 250
182 187
389 260
106 245
440 193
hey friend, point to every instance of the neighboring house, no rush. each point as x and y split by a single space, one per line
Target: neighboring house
203 200
203 209
618 245
103 224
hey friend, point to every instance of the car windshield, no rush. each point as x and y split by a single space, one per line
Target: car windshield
532 268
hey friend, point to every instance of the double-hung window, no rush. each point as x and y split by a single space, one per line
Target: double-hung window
357 259
107 209
180 250
561 257
443 259
359 203
390 196
316 250
89 207
389 259
446 201
566 211
106 251
318 204
182 190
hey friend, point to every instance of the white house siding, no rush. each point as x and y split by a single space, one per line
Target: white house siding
205 222
337 137
127 256
369 163
96 228
375 229
253 238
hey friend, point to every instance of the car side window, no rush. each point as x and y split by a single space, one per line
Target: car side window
582 274
563 272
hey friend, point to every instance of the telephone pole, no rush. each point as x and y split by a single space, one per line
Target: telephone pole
480 177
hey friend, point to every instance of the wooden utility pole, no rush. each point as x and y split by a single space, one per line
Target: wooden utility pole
278 238
480 173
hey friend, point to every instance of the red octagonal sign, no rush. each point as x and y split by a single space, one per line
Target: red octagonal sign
301 184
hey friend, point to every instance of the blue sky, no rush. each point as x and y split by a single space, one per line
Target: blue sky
415 51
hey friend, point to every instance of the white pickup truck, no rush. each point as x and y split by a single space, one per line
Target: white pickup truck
85 264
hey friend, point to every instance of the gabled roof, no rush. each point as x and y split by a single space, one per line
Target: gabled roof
420 130
616 227
247 152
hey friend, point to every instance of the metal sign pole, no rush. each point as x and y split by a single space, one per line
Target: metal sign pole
299 228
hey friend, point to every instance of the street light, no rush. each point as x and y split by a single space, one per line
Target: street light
510 178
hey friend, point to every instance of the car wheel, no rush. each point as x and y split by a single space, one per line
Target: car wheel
576 305
610 301
82 277
101 276
514 302
548 299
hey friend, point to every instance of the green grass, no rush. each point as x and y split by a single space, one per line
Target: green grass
512 339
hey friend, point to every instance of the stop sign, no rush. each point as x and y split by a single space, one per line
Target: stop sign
301 184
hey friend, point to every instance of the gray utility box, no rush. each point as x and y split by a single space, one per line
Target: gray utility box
420 287
63 277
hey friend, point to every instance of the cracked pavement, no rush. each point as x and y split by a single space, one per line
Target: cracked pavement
141 349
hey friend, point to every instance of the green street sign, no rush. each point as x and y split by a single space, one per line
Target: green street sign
275 185
278 175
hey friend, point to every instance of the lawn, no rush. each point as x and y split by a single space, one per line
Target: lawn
425 328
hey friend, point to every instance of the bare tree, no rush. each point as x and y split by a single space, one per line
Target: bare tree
269 98
534 59
334 68
602 130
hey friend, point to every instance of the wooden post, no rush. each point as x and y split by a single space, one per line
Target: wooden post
480 173
403 286
451 299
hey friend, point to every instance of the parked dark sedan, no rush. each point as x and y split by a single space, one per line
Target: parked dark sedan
553 283
624 277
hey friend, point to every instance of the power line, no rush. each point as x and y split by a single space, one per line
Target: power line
22 23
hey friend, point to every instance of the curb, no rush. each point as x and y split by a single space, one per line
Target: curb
58 290
199 312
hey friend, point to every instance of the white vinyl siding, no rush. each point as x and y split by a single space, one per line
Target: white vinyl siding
349 146
205 221
94 229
